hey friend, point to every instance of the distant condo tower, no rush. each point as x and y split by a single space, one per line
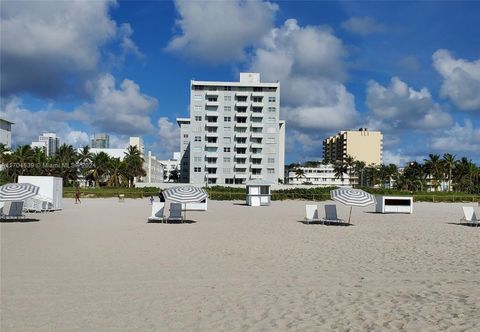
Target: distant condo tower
49 142
234 133
362 145
101 141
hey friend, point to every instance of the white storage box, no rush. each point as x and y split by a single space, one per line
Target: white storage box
394 204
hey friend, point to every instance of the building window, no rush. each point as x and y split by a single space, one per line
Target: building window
270 140
198 118
197 149
271 160
198 87
226 159
197 159
198 97
257 89
271 99
271 120
185 135
271 109
271 170
227 88
227 119
197 108
228 181
227 171
227 108
257 99
226 149
227 98
227 140
198 138
197 169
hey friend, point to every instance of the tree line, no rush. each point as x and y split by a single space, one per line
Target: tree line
97 169
460 175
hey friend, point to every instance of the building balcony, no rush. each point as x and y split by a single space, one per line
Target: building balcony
211 176
256 145
256 176
257 124
241 125
211 134
211 103
213 93
256 135
242 93
241 135
257 104
257 155
241 145
241 155
241 166
257 115
241 115
211 125
256 166
211 165
211 154
258 94
211 144
240 175
213 113
241 104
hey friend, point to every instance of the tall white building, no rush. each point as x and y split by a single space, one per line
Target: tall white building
234 132
49 142
6 132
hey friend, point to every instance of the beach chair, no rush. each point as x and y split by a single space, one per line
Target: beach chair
331 214
469 216
175 212
157 212
12 210
311 213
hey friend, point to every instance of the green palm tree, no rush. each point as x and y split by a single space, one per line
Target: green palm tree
299 173
65 158
349 161
359 169
434 168
449 163
116 173
22 159
98 168
340 169
134 164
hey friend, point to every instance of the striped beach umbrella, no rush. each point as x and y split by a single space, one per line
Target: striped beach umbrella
352 197
185 194
17 191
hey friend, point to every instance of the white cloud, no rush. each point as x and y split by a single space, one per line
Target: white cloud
362 26
219 31
308 63
124 111
459 138
26 121
398 157
461 80
168 138
50 48
401 107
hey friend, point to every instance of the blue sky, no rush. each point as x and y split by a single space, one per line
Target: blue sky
409 69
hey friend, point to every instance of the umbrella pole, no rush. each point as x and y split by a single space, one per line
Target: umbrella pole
350 214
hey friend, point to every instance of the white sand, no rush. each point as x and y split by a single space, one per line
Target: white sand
99 266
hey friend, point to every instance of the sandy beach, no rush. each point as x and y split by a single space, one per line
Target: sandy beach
99 266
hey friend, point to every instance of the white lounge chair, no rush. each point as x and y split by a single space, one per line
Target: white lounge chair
158 209
12 210
311 214
469 216
175 212
331 214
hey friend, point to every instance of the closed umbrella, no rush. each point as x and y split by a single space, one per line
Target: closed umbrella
352 197
185 194
17 191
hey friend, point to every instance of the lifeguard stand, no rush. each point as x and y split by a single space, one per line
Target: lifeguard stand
258 193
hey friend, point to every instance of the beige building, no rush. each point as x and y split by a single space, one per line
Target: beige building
362 145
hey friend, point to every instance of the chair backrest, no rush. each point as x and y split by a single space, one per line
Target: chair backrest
311 212
15 209
331 212
468 213
6 208
158 209
175 210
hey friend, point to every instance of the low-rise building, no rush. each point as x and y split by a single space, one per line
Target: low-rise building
6 133
321 175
